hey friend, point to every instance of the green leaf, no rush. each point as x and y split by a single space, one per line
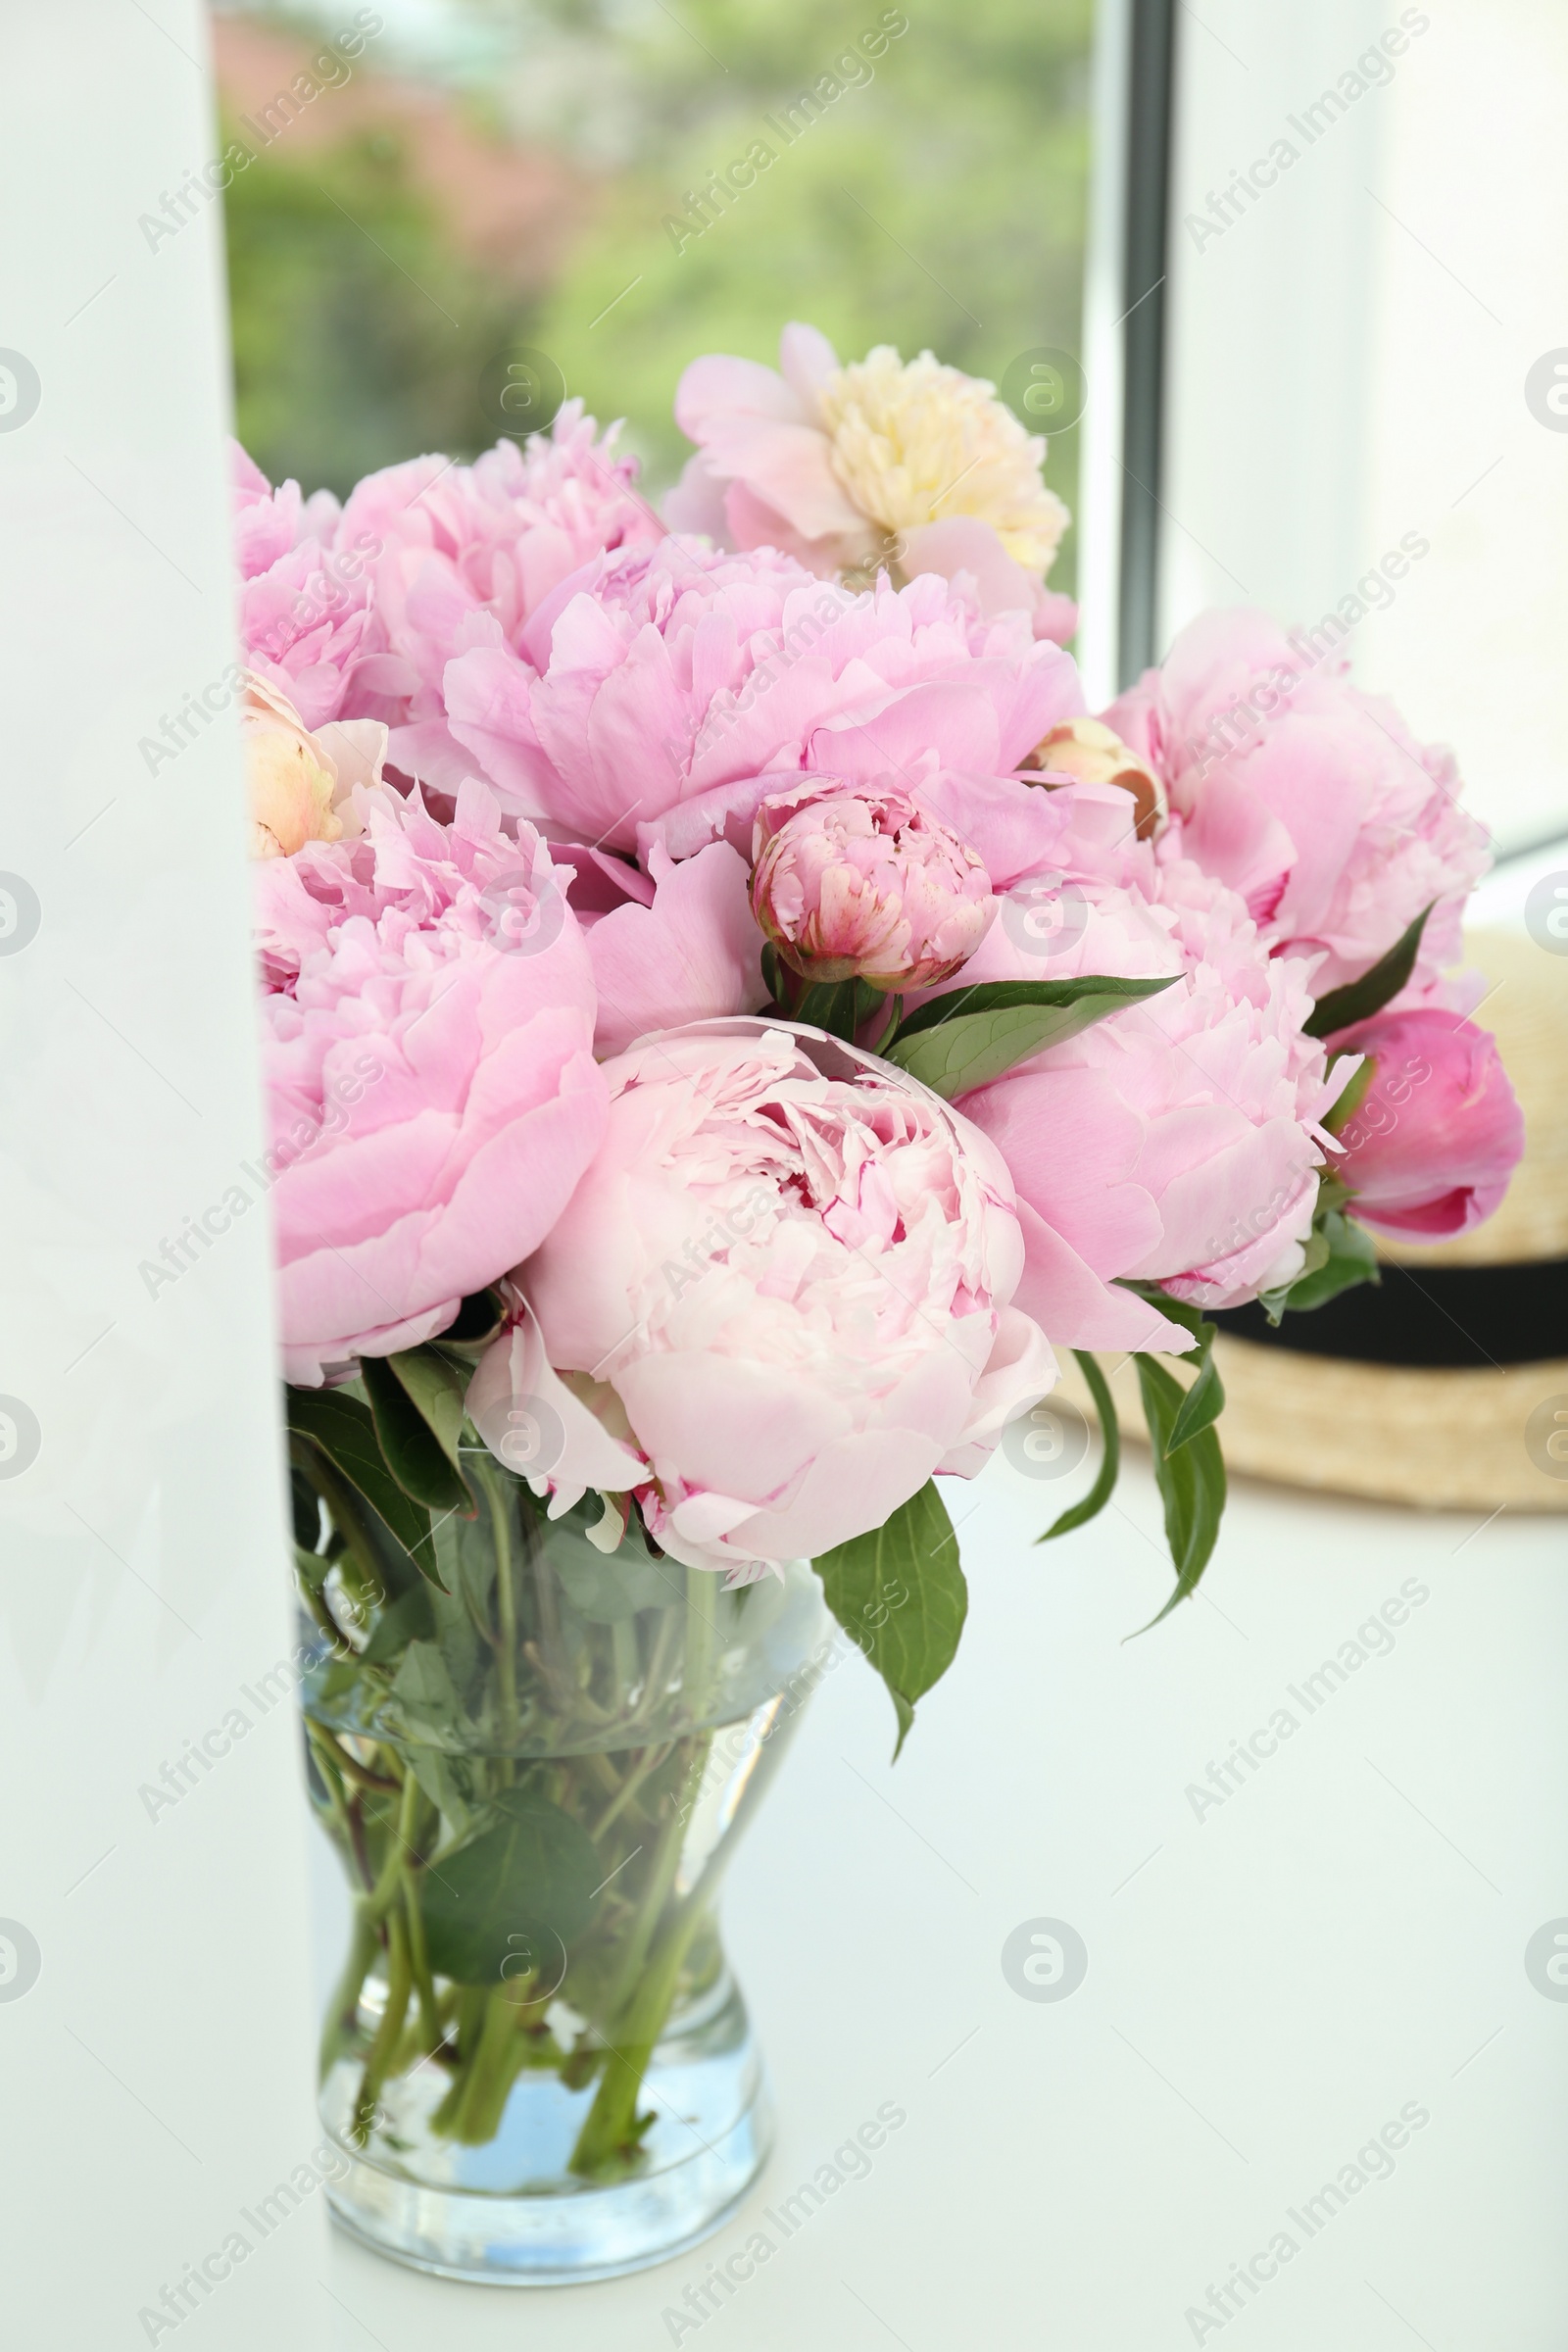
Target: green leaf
837 1006
342 1432
899 1592
410 1448
1078 1514
409 1618
1351 1095
608 1588
510 1893
1204 1400
1191 1318
305 1507
1359 999
958 1042
312 1567
438 1389
447 1781
425 1689
1349 1257
1190 1479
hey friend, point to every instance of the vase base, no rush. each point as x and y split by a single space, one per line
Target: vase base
582 2234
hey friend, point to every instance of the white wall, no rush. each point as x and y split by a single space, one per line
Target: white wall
157 2074
1350 359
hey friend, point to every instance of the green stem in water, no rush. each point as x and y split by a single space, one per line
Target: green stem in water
506 1597
497 2062
647 1761
609 2138
701 1628
343 2010
644 1985
431 2031
660 1880
472 2016
378 2063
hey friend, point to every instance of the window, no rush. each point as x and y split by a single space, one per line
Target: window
596 191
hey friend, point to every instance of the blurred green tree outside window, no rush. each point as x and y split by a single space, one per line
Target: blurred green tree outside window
498 173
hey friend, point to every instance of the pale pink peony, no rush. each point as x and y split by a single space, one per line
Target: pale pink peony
662 693
305 591
676 945
1178 1141
883 462
1307 796
784 1286
860 883
493 539
433 1096
1430 1146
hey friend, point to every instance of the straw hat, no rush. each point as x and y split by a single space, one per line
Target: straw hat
1445 1396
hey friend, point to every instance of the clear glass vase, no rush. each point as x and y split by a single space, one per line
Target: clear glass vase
536 2064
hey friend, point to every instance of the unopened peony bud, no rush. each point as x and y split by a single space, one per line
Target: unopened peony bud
1086 750
854 882
1431 1144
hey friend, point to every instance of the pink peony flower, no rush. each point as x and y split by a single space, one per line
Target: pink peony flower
1308 797
881 461
863 884
304 592
433 1096
676 945
660 694
1178 1141
460 542
784 1286
1433 1140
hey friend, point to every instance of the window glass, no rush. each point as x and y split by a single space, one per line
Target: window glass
619 185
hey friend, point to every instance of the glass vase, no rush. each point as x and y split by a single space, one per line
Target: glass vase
536 2064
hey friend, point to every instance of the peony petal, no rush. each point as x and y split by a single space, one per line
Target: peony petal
695 953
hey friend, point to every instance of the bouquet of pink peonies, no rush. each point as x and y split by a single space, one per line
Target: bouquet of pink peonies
729 1014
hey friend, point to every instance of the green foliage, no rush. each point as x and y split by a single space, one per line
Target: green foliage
900 1597
424 1465
1359 999
1078 1514
940 201
360 336
438 1390
1190 1472
1340 1255
965 1039
512 1893
339 1436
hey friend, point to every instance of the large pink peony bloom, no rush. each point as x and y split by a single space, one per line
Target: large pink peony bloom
662 693
784 1285
1431 1142
884 462
305 591
1178 1141
495 539
1308 797
432 1090
862 883
676 945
